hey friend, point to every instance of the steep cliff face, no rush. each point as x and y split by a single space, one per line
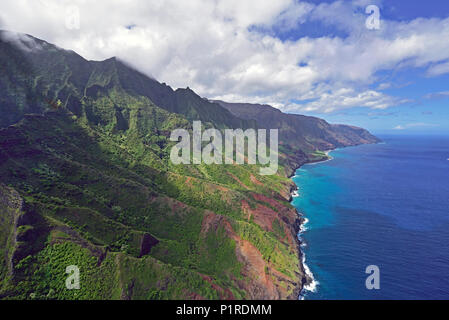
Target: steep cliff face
301 132
86 145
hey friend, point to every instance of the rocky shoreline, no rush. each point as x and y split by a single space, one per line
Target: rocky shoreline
299 224
301 220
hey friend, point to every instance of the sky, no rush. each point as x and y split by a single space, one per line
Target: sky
379 64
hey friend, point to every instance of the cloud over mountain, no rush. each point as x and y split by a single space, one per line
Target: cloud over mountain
231 50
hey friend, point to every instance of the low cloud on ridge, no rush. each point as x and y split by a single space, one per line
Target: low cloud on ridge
225 50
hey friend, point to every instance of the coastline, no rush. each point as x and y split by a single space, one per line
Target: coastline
338 233
309 283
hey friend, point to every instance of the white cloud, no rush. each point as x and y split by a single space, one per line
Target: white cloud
438 69
415 125
293 15
384 85
210 47
436 95
21 41
346 98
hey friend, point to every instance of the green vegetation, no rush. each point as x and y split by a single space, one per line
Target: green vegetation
111 188
45 274
86 180
280 255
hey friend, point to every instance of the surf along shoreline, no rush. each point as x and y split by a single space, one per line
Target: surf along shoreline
309 283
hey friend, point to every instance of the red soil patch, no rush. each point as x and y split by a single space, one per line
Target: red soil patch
225 294
262 215
221 188
286 216
255 266
210 220
255 181
270 201
194 296
238 180
211 186
176 207
246 209
262 284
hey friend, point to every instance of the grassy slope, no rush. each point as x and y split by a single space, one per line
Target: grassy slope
100 189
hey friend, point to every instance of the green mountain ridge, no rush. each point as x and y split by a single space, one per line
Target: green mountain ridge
303 132
86 180
44 74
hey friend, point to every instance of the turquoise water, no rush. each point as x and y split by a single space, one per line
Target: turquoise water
384 205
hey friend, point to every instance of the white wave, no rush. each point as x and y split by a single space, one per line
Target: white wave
312 286
303 227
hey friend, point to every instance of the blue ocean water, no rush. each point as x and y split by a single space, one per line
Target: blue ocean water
386 205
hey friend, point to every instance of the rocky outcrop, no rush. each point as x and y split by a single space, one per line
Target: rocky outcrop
148 241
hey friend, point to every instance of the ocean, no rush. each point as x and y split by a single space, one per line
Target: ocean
385 205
